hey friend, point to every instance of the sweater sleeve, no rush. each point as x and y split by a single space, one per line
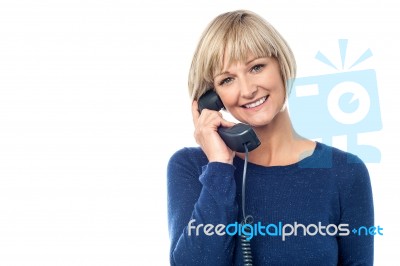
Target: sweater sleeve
357 211
200 195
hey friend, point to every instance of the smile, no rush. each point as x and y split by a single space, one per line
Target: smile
256 103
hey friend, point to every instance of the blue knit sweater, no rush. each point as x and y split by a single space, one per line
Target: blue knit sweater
330 189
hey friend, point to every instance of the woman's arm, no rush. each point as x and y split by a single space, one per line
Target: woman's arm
358 212
200 195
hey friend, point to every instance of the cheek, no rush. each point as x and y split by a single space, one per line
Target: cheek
276 85
228 97
228 103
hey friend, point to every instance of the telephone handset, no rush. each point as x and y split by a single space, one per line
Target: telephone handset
234 137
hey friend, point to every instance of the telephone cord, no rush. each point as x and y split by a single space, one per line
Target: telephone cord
247 220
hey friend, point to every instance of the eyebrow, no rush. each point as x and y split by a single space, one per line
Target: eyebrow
251 60
247 63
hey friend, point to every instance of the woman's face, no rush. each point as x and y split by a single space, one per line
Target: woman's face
252 91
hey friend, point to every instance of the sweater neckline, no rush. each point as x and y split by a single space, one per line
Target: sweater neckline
307 162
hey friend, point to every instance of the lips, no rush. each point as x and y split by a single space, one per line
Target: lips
255 103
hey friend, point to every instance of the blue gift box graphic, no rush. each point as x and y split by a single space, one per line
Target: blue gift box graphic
344 103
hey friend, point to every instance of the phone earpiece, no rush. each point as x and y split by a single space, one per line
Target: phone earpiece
235 137
210 100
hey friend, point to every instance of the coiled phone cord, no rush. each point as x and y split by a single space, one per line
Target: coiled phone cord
245 244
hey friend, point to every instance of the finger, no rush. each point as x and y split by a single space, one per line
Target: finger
225 123
195 112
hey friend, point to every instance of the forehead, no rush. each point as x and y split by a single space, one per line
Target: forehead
239 52
229 61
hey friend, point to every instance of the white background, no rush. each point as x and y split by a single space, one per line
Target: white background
93 102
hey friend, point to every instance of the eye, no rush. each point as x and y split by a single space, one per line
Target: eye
225 81
257 68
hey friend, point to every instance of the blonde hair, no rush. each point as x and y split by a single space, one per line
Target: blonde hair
237 34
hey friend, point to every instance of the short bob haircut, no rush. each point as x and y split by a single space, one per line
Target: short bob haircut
237 33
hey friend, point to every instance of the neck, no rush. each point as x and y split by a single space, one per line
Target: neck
280 144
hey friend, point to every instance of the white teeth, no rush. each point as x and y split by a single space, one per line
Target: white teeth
257 103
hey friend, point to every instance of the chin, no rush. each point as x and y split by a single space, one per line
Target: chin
256 120
259 124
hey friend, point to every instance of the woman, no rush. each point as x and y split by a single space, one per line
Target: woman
302 198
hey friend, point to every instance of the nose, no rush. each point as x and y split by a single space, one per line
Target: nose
248 89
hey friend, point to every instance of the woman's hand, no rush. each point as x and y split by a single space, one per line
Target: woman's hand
206 135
